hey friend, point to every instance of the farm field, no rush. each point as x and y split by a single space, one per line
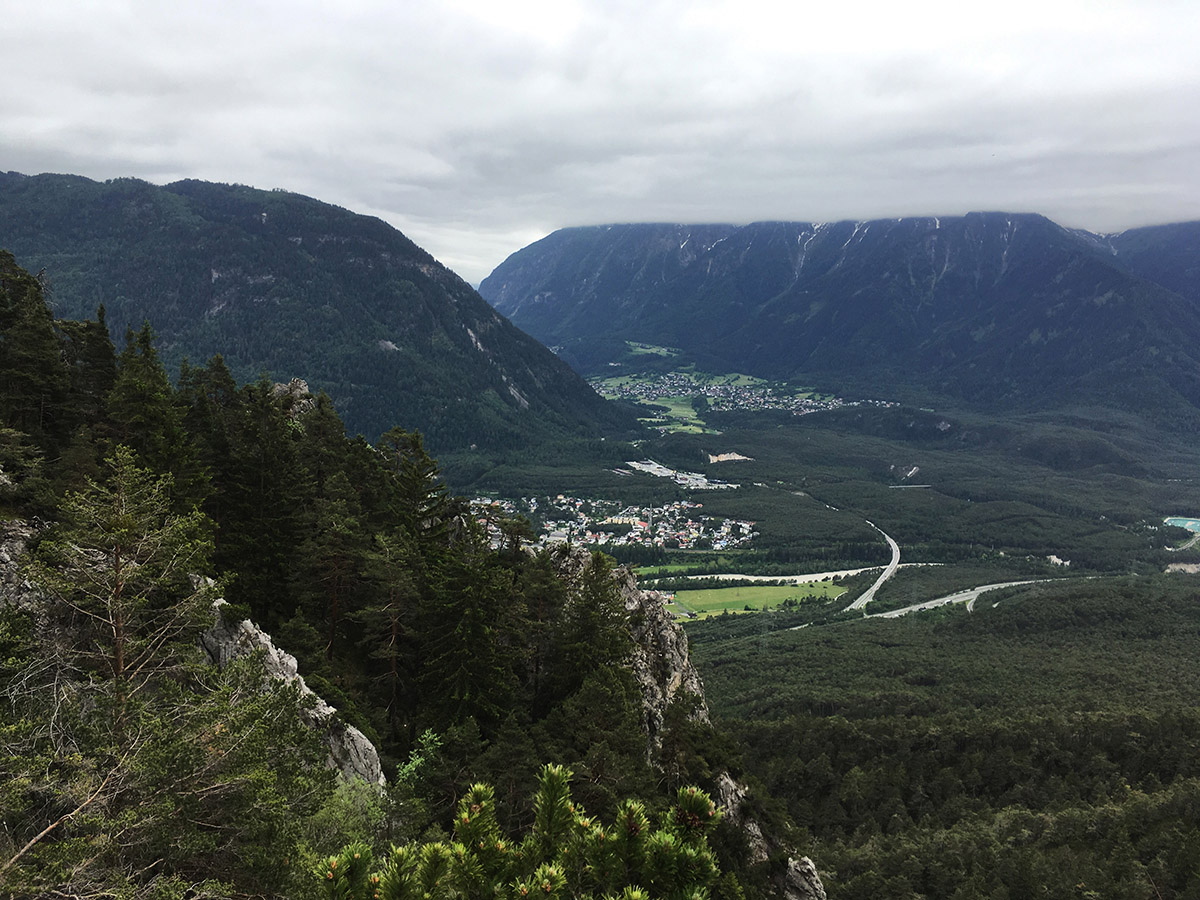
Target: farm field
639 349
712 601
676 415
702 565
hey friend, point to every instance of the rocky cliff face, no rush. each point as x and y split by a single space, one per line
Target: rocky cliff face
349 750
664 672
15 589
660 662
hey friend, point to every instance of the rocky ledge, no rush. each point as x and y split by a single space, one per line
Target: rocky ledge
350 752
664 671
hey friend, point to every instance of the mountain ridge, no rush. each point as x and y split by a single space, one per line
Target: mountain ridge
286 284
999 308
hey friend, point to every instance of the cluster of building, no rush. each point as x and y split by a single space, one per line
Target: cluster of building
719 396
609 522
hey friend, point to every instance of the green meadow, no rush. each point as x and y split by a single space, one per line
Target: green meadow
736 598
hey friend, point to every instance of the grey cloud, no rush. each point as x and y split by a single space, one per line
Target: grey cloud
476 128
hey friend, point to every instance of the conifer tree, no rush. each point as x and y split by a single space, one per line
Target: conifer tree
543 595
212 408
92 364
324 442
566 853
119 565
132 769
593 628
334 559
468 629
21 466
387 624
422 501
261 526
144 415
33 376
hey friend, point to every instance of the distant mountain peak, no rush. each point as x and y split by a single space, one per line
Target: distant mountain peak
988 307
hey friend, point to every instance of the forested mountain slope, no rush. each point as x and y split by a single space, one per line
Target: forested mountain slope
1168 255
996 309
293 287
130 766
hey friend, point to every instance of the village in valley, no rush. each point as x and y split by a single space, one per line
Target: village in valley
719 392
679 400
588 522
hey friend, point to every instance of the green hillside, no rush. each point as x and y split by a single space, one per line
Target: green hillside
288 286
130 766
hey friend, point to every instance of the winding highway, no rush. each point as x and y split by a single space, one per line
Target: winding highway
869 594
968 597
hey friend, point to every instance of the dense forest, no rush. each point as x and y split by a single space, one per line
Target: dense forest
1044 745
129 767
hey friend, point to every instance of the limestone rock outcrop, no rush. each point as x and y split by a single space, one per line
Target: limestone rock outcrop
660 662
296 397
799 881
350 752
15 589
664 672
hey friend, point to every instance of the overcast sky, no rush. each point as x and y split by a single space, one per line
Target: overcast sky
478 126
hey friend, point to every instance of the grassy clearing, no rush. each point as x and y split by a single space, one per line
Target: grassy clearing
676 415
650 572
736 379
736 598
638 349
680 408
702 566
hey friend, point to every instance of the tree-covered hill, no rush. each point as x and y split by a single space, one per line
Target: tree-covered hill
287 285
131 767
996 310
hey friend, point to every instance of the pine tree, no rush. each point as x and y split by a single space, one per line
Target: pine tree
467 629
421 499
133 769
33 376
593 630
334 559
92 363
324 442
566 853
387 624
543 596
212 407
21 467
261 528
119 566
145 416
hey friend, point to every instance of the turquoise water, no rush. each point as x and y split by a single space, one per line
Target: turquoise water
1179 522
